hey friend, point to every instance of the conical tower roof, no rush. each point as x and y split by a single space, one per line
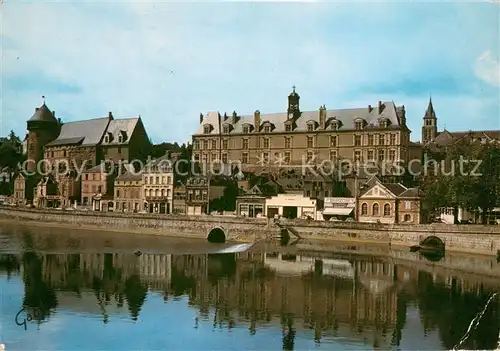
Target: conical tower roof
43 114
430 113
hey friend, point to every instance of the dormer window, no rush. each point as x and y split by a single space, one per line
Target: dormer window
384 123
246 129
288 127
106 139
267 129
310 127
120 138
335 124
226 129
206 129
358 124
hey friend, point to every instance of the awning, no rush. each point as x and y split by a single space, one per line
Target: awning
332 211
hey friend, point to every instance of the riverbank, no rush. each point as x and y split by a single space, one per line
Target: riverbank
477 239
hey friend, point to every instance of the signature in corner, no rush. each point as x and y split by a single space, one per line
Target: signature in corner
28 316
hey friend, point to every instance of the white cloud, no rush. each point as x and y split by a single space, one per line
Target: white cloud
487 68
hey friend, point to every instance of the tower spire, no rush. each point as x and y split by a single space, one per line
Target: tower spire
43 99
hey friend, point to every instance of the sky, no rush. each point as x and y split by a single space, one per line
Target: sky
170 61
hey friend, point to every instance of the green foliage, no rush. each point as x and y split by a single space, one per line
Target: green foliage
468 177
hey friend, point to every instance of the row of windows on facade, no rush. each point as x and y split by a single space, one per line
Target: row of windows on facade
266 142
51 154
157 180
311 127
134 193
381 155
375 210
200 195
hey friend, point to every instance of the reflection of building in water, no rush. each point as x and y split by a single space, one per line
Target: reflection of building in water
324 296
156 270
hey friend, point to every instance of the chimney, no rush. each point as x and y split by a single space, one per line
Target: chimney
380 107
201 118
322 116
235 116
225 116
256 120
370 109
110 115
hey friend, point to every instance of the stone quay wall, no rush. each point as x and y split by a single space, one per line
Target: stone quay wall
460 238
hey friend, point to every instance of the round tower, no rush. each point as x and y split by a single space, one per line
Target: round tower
43 127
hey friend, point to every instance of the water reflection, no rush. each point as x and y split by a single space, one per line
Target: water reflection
356 298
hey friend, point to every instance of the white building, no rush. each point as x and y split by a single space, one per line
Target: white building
292 206
339 207
158 186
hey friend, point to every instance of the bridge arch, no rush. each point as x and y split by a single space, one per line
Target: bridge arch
216 235
433 242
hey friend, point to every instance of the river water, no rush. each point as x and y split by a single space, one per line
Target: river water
73 290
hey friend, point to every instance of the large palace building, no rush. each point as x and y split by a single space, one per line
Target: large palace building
367 133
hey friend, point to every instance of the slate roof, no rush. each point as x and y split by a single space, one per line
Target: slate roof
411 192
129 176
446 137
43 113
345 116
395 188
117 127
91 130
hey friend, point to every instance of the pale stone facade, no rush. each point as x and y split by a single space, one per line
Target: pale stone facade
158 186
128 193
371 133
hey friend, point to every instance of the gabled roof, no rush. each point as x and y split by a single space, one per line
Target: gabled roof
411 192
124 126
129 176
345 116
91 130
43 114
395 188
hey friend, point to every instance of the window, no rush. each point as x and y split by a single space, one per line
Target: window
169 180
119 150
335 125
381 139
157 193
370 155
157 180
266 143
357 156
359 125
308 193
86 176
381 155
206 129
407 218
333 140
205 144
213 157
225 129
118 193
393 139
287 156
64 153
392 155
265 157
52 154
244 144
364 209
287 143
246 129
333 155
310 127
225 144
288 127
407 205
375 209
370 139
387 210
310 156
310 142
162 192
151 180
244 157
163 180
357 140
214 144
224 158
326 193
267 129
196 144
197 157
383 123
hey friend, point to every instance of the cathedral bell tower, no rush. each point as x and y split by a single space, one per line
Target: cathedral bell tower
293 105
429 128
